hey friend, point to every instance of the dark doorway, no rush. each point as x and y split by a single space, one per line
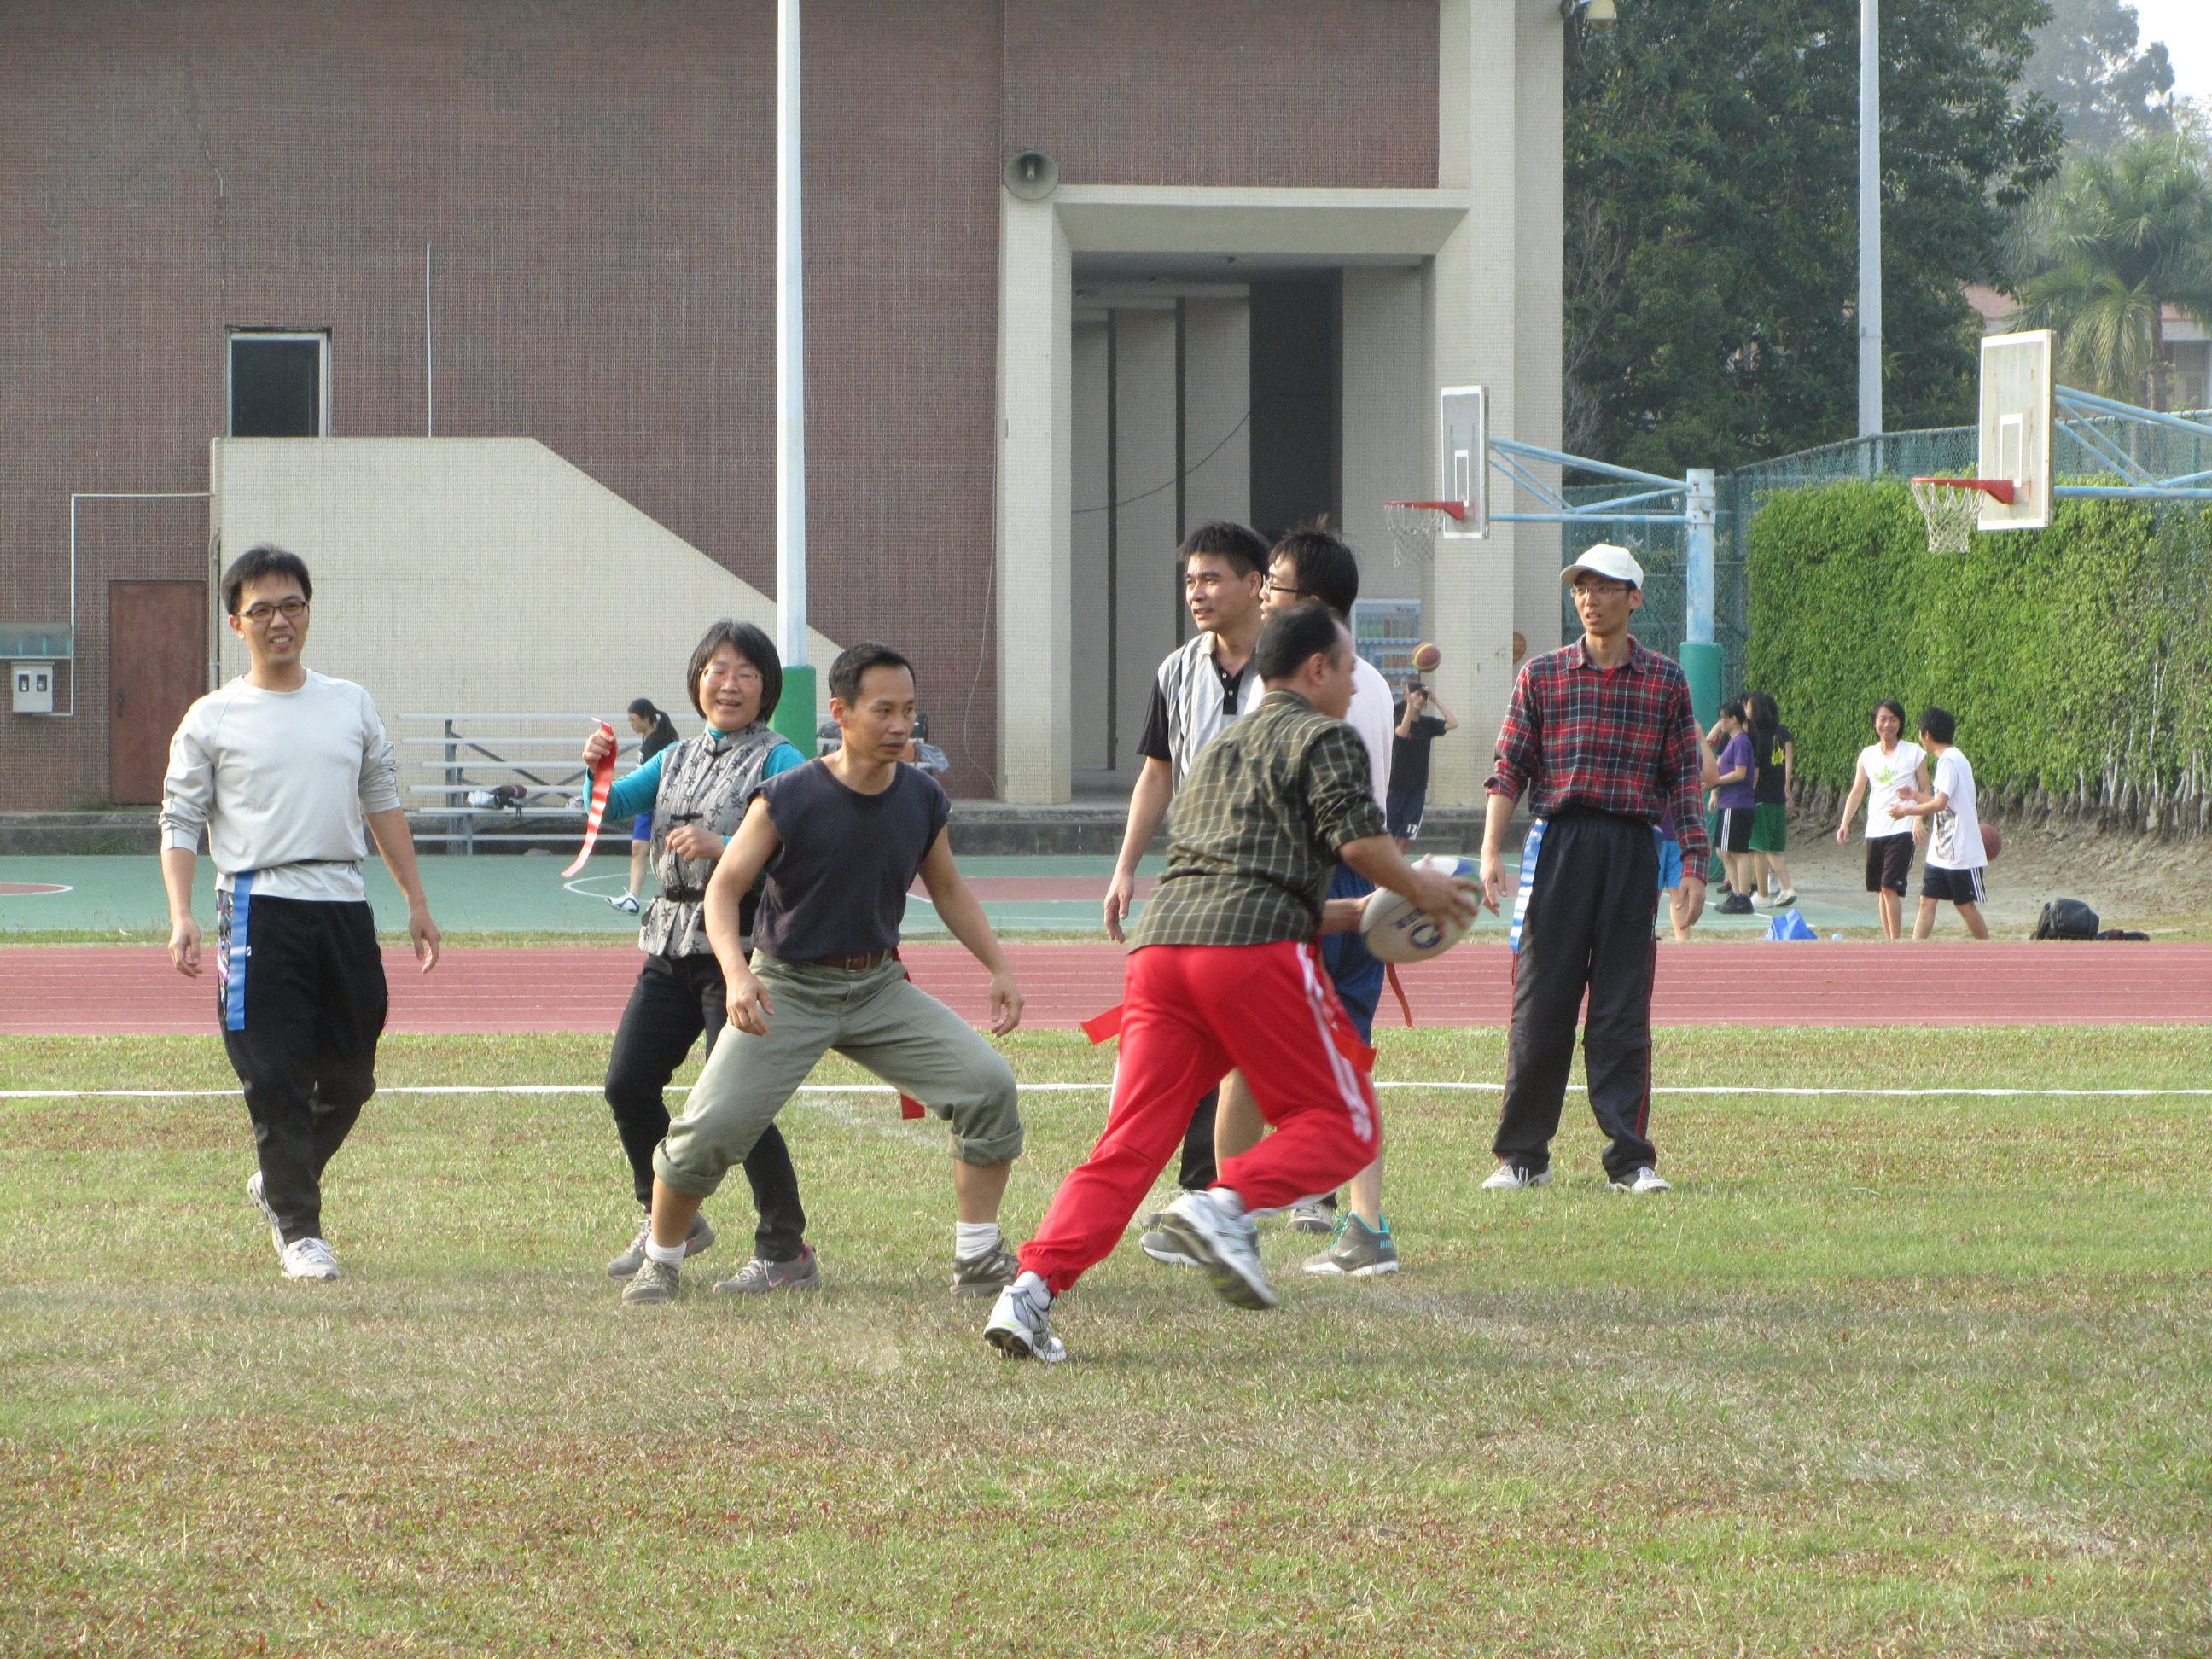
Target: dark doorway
157 665
1297 350
276 386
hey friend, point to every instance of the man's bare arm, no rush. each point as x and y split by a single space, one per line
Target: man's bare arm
396 843
964 916
176 867
1148 810
743 860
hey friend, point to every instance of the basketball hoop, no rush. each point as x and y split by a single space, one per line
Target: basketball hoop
1953 507
1414 526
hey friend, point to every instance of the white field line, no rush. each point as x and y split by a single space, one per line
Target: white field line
1100 1088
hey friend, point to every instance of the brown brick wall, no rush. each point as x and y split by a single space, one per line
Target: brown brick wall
597 180
1226 92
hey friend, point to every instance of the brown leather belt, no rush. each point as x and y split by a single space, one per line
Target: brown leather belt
855 965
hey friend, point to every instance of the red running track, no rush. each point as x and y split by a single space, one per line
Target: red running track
68 990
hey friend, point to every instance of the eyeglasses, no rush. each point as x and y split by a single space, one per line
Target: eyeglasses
1295 592
1602 589
291 610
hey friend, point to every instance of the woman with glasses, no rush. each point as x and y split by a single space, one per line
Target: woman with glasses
697 791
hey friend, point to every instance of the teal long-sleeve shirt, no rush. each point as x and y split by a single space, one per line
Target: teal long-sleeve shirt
637 793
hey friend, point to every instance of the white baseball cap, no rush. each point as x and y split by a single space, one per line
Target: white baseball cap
1606 560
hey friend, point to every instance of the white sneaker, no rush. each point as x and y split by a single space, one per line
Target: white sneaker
625 903
1020 1325
309 1258
1763 901
258 1198
1644 1180
1512 1177
1221 1240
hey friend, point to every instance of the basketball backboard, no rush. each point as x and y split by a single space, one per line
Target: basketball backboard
1464 425
2017 414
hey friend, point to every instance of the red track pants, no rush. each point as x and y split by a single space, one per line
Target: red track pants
1190 1013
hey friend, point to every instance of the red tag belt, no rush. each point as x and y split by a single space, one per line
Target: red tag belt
603 780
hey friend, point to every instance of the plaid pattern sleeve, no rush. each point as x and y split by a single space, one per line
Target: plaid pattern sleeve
1623 741
1255 829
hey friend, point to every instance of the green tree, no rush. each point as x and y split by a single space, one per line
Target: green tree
2106 86
2105 247
1712 166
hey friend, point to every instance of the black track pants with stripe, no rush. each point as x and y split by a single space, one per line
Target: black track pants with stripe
1588 929
302 1006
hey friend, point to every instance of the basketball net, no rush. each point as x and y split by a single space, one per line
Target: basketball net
1953 508
1414 526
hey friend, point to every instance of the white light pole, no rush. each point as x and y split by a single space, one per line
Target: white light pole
1869 311
794 714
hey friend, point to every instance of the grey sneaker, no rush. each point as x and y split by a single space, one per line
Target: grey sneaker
1356 1251
1162 1246
655 1281
1020 1325
1224 1244
308 1258
700 1237
986 1274
258 1198
758 1278
1312 1215
1643 1179
1511 1177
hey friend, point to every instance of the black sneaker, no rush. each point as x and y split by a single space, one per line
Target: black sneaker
1736 904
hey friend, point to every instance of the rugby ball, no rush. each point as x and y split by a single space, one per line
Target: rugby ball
1396 931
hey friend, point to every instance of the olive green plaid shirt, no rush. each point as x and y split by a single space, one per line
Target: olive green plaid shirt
1253 836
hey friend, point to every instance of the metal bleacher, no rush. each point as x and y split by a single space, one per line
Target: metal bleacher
452 757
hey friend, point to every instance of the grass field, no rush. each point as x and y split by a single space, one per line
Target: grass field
1885 1376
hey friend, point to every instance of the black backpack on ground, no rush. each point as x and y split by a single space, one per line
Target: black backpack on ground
2066 919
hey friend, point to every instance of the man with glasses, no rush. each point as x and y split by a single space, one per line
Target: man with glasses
1202 686
1601 734
284 771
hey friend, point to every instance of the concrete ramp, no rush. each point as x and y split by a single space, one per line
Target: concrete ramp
477 575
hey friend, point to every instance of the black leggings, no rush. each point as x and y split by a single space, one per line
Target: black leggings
675 1000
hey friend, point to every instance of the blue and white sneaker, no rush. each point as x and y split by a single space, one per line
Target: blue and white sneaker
1216 1234
627 903
1020 1325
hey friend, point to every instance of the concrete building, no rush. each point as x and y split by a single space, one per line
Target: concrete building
473 306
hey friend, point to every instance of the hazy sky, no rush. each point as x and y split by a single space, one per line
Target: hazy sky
2186 26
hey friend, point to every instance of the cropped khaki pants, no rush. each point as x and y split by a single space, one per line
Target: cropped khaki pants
876 1017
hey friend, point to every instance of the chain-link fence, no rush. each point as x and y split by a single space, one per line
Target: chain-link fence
1936 453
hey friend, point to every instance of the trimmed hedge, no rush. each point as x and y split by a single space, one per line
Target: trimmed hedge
2078 660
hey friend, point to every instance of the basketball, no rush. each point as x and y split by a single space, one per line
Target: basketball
1396 931
1427 658
1992 842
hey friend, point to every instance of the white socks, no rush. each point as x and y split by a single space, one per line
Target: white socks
668 1255
1229 1199
972 1238
1032 1285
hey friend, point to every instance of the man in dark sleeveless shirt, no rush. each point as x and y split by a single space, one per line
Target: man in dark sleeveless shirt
842 839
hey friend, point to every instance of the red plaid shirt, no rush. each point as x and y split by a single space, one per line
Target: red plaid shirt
1622 741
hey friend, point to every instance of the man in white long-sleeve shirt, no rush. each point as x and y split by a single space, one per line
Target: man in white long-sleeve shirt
284 769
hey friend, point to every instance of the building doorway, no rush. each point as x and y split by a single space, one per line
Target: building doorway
157 665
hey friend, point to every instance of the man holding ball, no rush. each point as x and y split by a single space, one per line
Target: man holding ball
1227 971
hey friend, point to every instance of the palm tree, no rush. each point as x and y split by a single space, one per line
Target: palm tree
2107 246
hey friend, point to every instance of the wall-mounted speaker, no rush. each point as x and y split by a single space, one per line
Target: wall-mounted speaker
1032 175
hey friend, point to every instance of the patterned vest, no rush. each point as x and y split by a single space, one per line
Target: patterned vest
709 781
